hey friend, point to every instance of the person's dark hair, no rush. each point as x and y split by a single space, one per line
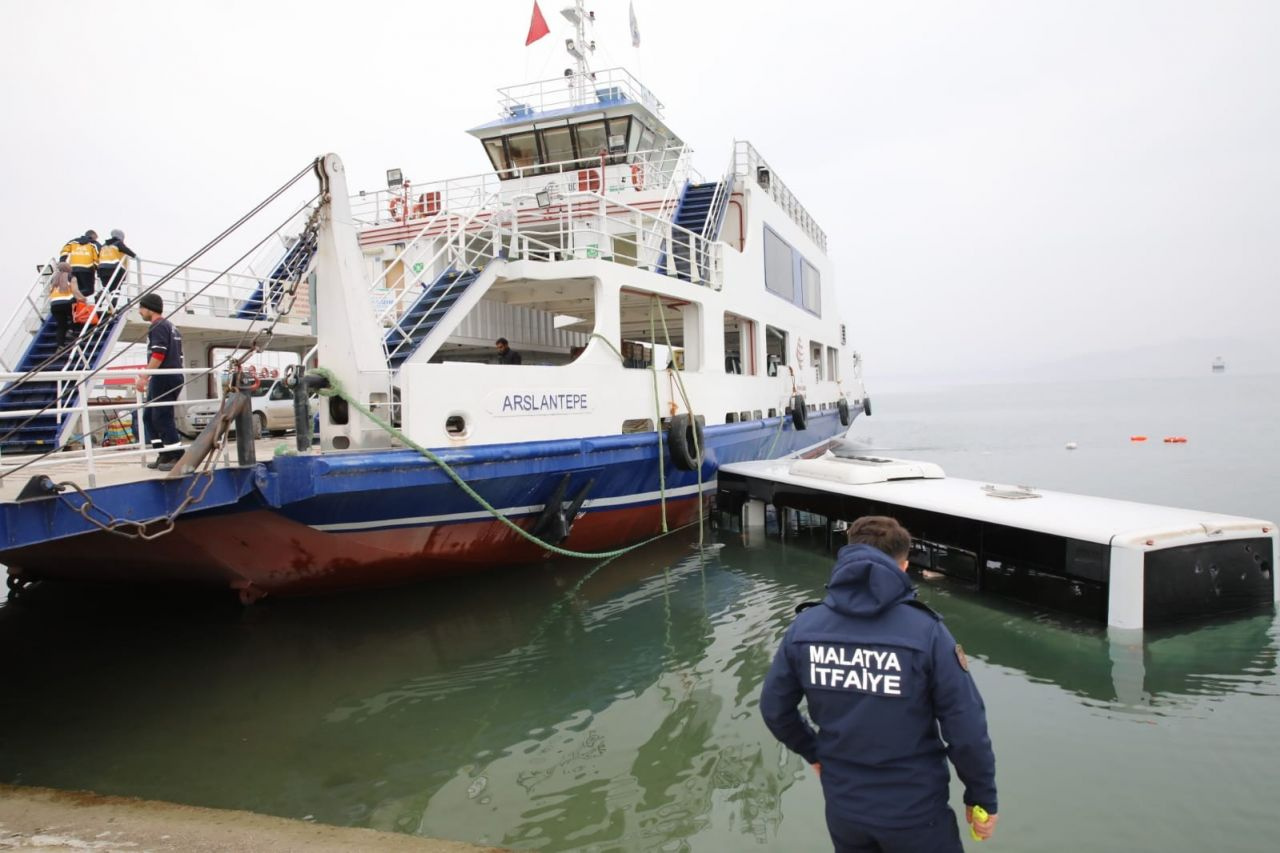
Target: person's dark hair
883 532
502 341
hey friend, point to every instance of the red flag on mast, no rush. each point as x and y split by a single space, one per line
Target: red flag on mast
537 26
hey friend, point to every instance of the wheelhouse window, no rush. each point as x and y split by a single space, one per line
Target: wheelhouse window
498 156
779 271
523 148
557 143
617 140
592 138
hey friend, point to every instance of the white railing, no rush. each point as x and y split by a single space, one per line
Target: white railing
610 86
27 319
89 435
588 226
749 164
411 204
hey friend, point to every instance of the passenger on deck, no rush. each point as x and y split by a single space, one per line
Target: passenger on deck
164 344
82 253
506 355
113 262
62 293
633 355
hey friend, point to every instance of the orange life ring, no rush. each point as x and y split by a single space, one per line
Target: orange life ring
396 207
637 175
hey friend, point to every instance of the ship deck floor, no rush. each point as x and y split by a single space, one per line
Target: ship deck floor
111 468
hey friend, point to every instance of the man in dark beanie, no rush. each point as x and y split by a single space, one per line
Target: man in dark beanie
890 692
164 345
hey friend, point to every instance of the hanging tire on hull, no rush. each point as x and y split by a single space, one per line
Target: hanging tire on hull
688 447
799 412
866 406
842 406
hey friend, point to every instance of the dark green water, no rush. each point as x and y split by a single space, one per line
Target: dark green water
573 708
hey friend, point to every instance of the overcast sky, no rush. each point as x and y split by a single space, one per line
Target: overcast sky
1001 182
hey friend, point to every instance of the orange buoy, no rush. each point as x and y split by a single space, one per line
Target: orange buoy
1137 438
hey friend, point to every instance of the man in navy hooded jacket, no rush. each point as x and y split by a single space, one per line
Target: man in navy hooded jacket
890 692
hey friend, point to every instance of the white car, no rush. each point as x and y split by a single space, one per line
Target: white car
272 411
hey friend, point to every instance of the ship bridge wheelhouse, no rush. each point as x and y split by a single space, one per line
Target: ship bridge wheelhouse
552 126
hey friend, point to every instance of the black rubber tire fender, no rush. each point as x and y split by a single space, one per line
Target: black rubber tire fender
681 436
799 412
842 406
866 406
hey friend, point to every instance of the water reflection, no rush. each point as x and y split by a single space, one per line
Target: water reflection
554 708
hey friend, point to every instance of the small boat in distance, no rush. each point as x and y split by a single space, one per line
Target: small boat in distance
1219 366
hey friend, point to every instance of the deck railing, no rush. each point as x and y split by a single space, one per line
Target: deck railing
413 203
750 165
86 444
610 86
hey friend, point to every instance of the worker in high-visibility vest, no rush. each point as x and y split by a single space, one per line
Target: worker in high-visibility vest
113 262
82 253
62 295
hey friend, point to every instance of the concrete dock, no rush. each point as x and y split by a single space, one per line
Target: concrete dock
74 820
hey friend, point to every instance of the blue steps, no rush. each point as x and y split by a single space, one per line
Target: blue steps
693 212
268 292
42 432
425 313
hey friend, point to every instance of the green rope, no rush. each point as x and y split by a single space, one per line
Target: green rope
657 426
335 389
657 414
693 418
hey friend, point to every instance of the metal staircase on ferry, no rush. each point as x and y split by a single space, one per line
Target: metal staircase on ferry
269 290
26 434
426 312
701 211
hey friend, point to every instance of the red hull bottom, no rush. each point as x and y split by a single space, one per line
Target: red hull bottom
260 552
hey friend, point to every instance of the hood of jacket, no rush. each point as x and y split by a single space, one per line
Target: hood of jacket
866 582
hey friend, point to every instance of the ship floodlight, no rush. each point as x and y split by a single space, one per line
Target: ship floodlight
543 198
395 179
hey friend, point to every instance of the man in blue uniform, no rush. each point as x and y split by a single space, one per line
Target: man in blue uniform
890 692
164 346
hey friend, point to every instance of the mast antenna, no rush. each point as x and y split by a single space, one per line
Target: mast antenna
580 49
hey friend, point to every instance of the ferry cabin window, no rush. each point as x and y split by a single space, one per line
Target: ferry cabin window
523 148
811 287
779 271
787 274
815 358
833 364
498 156
557 142
775 349
739 345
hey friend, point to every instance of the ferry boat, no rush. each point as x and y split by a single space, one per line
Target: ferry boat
1219 366
666 323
